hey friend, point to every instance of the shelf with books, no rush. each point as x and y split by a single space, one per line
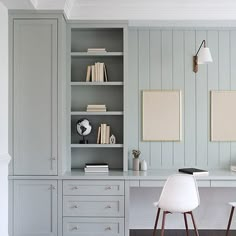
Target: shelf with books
114 122
97 145
113 65
90 113
96 54
111 96
97 83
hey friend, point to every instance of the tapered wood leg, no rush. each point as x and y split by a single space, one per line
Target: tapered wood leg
194 224
186 223
163 223
156 221
230 219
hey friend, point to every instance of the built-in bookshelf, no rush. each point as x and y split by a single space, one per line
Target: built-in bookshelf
109 93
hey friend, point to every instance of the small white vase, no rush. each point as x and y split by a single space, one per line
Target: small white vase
136 164
143 165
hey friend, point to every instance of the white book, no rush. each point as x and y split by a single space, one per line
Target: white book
96 106
93 73
99 135
96 110
96 170
101 72
96 49
107 134
88 75
105 73
103 133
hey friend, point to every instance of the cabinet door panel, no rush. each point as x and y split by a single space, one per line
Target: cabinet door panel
35 208
35 97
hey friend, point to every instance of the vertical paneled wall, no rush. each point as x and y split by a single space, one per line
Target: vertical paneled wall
162 59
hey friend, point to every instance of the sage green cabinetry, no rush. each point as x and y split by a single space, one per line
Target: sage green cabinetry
34 97
35 208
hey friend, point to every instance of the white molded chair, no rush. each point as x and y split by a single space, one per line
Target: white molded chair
179 195
233 205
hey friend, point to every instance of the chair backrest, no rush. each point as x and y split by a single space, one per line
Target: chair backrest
179 194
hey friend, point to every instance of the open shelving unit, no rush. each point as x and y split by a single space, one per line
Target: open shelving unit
110 93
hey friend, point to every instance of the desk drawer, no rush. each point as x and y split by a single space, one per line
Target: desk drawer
94 187
152 183
93 206
223 183
93 226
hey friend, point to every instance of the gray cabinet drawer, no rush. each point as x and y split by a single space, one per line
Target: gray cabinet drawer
88 187
93 226
93 206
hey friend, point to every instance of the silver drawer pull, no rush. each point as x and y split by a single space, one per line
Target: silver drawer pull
108 228
75 206
75 228
75 188
52 187
108 188
108 206
53 158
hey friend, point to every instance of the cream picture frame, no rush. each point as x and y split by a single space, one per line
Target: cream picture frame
161 115
223 116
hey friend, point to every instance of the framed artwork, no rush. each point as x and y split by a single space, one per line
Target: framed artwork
223 116
162 115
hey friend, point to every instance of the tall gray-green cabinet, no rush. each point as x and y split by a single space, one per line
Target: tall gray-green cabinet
35 97
37 65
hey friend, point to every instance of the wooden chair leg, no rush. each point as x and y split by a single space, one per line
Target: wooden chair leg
163 223
156 221
230 219
186 224
194 224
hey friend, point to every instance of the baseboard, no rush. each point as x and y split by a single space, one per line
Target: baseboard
180 232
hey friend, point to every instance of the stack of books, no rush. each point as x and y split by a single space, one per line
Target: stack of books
103 134
97 73
96 50
96 108
96 167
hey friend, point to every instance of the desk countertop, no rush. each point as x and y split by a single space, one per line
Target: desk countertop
134 175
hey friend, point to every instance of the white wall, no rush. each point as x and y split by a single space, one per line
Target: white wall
3 79
3 120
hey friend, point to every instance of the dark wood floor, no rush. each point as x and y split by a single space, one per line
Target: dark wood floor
182 233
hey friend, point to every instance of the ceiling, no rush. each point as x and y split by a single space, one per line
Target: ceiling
134 9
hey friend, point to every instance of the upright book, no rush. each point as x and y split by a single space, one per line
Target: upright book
194 171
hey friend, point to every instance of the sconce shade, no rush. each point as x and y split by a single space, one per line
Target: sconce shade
204 56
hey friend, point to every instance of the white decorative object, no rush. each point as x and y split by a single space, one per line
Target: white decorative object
112 139
143 165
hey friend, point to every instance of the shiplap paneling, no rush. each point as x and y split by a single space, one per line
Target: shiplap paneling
162 59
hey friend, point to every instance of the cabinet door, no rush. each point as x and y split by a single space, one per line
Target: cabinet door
35 208
35 97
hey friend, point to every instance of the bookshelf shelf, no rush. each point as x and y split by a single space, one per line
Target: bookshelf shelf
96 145
106 113
102 54
97 83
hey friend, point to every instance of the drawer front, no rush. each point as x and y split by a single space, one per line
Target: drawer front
152 183
88 187
223 183
93 206
93 226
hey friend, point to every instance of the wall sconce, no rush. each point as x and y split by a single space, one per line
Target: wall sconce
202 56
